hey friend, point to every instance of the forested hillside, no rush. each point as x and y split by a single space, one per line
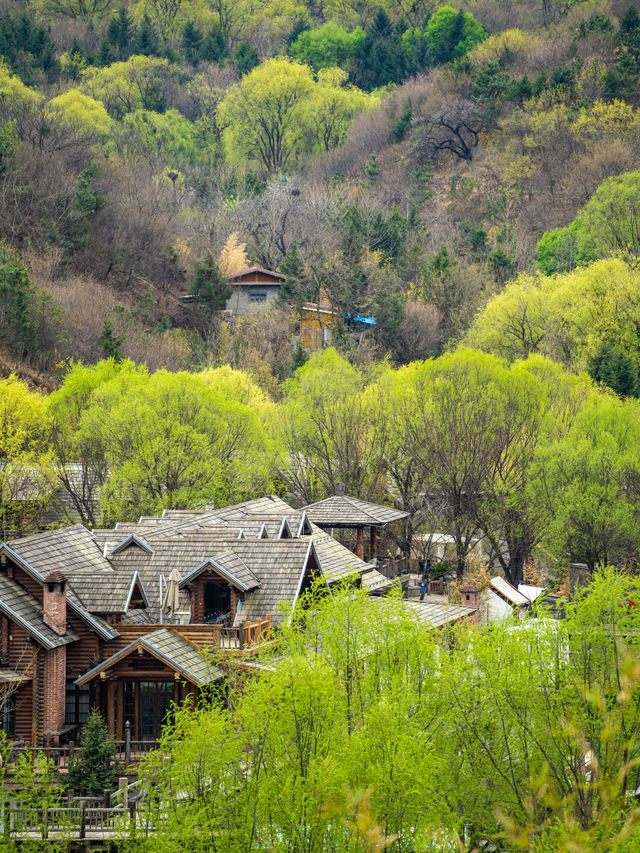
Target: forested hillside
406 160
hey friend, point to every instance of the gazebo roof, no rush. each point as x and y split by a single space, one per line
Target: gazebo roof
344 511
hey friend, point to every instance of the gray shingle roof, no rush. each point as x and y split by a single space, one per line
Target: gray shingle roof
112 594
337 562
24 608
166 645
47 551
435 614
229 566
67 549
344 511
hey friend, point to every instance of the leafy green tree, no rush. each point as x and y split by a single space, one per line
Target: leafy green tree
191 42
564 317
73 443
332 107
564 249
381 57
331 430
28 49
85 117
28 322
170 440
366 698
92 769
26 463
110 342
139 83
263 113
246 57
328 46
450 34
612 215
585 483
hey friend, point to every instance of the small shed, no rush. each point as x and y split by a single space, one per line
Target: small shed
253 288
342 511
317 323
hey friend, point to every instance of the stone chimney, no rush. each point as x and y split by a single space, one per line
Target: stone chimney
469 597
340 490
54 605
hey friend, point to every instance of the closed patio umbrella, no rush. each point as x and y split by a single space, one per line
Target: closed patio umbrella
170 602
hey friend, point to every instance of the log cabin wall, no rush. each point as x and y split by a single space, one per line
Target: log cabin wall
21 654
25 580
84 653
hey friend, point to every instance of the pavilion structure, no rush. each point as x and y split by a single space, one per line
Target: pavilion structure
344 512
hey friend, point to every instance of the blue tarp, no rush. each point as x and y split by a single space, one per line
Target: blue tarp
360 318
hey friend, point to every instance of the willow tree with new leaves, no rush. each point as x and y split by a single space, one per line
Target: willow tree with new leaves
586 484
263 113
367 730
27 476
565 317
332 431
148 442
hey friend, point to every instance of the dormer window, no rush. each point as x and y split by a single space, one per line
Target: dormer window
217 601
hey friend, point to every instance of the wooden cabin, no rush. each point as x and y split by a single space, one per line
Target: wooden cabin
253 289
121 619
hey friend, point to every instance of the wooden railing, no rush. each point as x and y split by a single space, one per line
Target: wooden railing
77 818
243 636
393 567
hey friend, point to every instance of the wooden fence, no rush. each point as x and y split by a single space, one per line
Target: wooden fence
393 567
78 818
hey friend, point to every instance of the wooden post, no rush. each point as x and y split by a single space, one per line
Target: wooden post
107 798
267 625
258 629
247 628
359 543
111 704
123 785
127 743
373 543
82 828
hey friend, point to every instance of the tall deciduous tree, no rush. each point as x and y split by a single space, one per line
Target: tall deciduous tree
263 113
332 431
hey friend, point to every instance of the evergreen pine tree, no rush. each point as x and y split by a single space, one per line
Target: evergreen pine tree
92 770
210 288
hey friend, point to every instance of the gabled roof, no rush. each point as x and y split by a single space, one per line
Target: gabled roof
172 650
508 592
437 615
250 270
67 549
231 567
132 539
113 595
22 607
344 511
36 548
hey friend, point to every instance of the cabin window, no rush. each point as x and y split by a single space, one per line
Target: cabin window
8 715
76 704
217 602
256 298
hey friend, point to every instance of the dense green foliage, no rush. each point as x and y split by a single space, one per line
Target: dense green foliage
369 731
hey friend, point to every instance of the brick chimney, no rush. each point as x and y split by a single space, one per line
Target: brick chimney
469 597
54 605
